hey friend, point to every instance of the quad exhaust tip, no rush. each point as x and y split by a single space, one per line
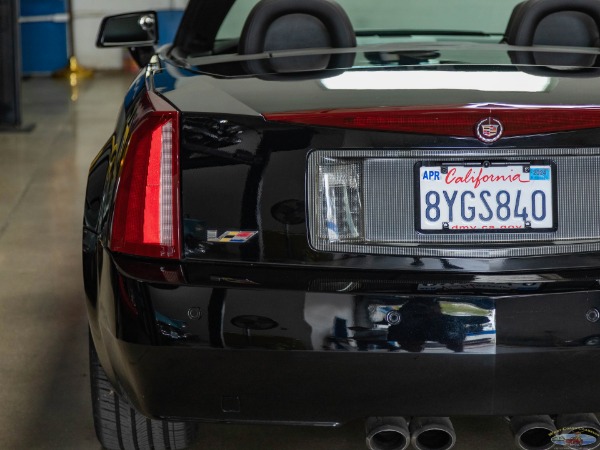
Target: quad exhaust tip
425 433
432 433
585 425
387 433
533 432
542 433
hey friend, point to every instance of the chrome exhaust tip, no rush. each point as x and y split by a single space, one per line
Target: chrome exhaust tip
533 432
432 433
583 427
387 433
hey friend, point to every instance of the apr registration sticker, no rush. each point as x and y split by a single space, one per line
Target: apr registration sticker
485 196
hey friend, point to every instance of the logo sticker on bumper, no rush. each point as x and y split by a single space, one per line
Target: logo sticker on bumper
234 237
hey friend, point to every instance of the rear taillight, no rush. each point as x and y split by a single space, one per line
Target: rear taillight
146 215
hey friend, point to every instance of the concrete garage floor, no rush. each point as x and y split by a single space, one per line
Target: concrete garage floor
44 394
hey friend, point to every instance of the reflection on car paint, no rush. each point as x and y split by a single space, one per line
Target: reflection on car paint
419 325
490 287
284 320
236 317
171 328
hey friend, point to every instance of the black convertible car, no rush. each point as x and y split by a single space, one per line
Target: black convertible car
312 212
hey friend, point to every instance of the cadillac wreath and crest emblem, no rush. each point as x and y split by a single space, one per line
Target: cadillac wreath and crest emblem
489 130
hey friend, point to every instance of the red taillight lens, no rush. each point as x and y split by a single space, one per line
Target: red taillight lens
146 214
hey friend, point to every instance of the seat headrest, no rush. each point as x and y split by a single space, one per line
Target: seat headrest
570 23
297 24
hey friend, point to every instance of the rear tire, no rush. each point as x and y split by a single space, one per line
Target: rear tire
120 427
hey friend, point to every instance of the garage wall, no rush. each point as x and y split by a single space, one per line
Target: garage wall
87 15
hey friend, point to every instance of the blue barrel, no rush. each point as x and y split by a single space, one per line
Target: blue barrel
42 7
44 47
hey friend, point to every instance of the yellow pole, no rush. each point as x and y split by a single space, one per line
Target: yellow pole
74 72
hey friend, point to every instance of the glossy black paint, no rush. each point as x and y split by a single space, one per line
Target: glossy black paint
275 350
272 330
265 164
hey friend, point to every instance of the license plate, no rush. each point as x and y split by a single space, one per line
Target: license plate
485 197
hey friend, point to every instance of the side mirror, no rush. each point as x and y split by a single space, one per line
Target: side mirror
131 30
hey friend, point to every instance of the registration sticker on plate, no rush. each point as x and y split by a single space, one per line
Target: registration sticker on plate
485 197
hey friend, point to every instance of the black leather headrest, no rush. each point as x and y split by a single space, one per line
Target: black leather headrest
297 24
570 23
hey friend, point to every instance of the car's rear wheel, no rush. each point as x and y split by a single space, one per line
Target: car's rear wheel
120 427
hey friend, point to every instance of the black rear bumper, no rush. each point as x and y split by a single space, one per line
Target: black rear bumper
232 349
328 389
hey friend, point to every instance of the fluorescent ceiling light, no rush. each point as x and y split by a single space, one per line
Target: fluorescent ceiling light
416 80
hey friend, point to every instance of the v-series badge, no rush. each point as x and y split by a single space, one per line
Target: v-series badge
233 237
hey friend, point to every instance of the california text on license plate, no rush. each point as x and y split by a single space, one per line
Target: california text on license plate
485 197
